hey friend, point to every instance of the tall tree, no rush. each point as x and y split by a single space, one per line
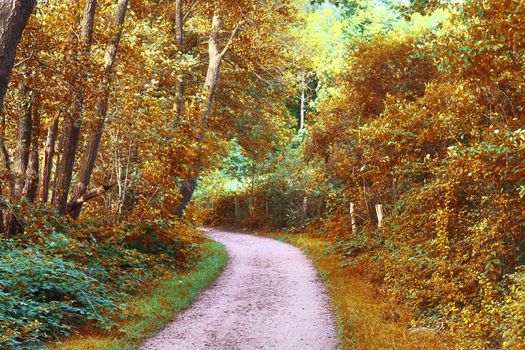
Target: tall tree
71 127
216 56
21 157
88 161
14 15
179 40
29 190
47 162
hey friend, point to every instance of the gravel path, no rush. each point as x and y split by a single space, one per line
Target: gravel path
269 297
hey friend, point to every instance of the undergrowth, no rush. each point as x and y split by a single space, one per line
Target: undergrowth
63 276
150 311
366 320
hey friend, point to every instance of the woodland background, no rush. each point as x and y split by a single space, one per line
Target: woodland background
394 130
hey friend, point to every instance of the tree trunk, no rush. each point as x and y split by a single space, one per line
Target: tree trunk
213 74
23 141
304 208
64 169
71 128
179 38
237 212
2 205
352 218
210 87
303 103
6 171
21 159
2 227
379 213
31 180
87 196
186 192
87 164
47 164
124 177
14 15
251 206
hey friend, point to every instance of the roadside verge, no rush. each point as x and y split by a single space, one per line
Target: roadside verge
150 311
365 320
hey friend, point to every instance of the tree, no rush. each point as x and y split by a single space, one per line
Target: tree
14 15
216 56
73 119
92 148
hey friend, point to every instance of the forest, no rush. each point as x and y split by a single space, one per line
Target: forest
384 138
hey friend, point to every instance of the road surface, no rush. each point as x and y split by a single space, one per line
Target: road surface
269 297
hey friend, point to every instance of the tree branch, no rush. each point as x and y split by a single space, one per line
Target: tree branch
76 202
189 11
230 40
24 60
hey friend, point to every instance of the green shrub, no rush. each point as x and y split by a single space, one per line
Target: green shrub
43 295
62 274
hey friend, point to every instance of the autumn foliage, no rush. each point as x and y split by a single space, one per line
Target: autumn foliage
429 125
398 137
113 108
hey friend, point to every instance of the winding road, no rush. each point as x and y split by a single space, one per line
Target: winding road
269 297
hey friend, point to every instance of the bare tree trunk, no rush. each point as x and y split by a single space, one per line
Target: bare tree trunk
31 180
379 213
71 128
87 164
23 140
87 196
352 217
303 102
57 164
186 192
237 212
64 169
6 172
47 164
304 208
2 198
2 227
216 56
251 206
213 74
124 178
365 197
301 123
14 15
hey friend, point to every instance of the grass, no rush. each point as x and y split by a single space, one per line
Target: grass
149 312
362 315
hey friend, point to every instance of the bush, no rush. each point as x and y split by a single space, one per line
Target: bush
61 275
43 295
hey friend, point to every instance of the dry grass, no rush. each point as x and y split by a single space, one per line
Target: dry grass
365 321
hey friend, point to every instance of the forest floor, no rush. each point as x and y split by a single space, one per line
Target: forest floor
269 297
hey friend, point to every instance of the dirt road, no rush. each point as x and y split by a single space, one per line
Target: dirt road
269 297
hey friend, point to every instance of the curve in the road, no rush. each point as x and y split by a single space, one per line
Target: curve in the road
269 297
